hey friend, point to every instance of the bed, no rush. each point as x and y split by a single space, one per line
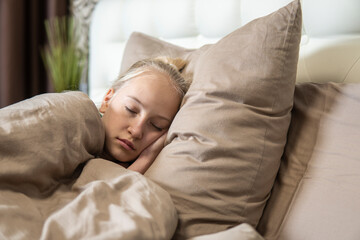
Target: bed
228 158
245 157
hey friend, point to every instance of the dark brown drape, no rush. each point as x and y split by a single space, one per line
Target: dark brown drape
22 35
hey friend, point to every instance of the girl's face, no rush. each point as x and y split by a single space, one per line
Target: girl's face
137 114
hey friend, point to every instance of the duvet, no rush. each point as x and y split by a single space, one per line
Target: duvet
52 185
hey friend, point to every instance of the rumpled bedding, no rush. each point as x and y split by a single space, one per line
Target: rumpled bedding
52 186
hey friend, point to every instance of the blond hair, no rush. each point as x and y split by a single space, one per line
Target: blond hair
172 67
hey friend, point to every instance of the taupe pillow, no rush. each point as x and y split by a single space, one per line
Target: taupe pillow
316 194
226 142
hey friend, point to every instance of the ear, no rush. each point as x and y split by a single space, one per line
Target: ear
106 101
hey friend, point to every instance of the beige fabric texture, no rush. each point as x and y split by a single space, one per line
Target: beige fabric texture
55 131
241 232
225 144
316 194
48 192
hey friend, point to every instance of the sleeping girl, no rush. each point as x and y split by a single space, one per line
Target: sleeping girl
138 110
52 185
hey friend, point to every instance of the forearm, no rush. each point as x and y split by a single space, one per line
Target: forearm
142 164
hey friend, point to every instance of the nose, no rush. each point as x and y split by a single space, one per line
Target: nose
136 128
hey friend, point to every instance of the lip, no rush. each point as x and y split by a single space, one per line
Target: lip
126 144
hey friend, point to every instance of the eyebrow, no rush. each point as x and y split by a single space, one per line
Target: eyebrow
139 102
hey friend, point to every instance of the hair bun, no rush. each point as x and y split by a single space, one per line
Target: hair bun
178 63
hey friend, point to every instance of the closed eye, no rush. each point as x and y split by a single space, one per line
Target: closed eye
156 127
130 110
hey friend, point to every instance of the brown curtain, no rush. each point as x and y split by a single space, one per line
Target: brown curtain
22 35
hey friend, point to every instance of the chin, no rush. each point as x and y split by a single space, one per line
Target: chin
121 156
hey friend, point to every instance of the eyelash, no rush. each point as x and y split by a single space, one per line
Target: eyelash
130 110
156 127
134 112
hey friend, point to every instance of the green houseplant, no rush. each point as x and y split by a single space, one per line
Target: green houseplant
64 64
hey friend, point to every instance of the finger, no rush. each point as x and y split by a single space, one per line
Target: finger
162 139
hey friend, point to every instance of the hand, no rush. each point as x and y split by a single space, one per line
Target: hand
148 155
154 149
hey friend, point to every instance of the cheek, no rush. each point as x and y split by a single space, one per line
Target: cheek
113 119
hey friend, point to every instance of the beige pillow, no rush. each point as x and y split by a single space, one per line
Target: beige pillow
316 194
226 141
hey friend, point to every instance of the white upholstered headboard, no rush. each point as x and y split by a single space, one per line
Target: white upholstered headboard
330 47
